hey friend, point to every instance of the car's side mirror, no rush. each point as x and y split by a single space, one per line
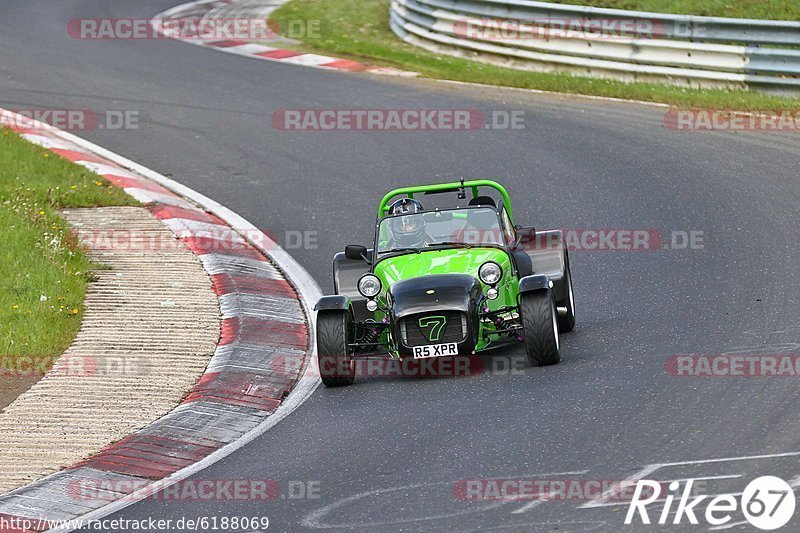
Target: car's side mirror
524 235
356 252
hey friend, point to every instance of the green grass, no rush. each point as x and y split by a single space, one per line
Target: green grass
752 9
359 29
43 272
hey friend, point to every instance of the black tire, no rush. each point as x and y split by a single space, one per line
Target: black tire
540 326
567 322
336 363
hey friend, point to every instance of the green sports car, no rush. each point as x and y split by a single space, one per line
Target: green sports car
441 281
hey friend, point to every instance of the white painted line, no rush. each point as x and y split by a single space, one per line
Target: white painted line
728 526
554 474
151 197
662 500
103 170
726 459
389 71
612 504
600 501
250 49
309 60
666 482
313 520
685 479
603 498
47 142
528 506
219 368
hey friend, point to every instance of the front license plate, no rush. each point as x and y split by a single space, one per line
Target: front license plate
435 350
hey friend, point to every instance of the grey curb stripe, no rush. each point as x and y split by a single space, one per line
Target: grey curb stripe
257 306
231 264
243 357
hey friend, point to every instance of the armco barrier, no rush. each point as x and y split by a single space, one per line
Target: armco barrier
682 49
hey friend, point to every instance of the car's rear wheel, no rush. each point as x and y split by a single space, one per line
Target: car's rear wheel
336 363
567 322
540 326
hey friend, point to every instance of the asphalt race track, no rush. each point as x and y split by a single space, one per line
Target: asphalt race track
386 452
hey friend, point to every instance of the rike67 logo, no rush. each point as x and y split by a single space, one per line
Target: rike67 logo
767 503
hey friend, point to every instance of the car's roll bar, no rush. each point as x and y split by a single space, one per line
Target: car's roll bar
473 185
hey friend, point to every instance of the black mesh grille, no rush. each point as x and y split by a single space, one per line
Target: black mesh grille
454 328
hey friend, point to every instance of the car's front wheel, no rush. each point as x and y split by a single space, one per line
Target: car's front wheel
540 326
336 362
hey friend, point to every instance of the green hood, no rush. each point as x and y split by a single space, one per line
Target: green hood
445 261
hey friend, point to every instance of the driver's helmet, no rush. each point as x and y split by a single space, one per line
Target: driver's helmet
407 230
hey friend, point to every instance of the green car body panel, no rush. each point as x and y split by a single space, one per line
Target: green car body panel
447 261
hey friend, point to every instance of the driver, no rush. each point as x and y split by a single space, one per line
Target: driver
408 231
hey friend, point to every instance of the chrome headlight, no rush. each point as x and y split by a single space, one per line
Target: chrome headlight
369 285
490 273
